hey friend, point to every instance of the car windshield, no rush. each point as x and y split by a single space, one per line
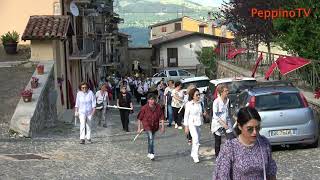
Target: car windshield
198 84
237 86
278 101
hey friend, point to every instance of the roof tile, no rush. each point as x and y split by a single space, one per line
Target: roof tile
46 27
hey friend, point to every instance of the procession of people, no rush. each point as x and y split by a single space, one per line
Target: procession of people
167 101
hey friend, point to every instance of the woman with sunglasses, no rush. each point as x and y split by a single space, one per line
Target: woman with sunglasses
193 119
85 109
221 122
249 155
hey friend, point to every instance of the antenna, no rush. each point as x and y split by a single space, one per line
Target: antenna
74 9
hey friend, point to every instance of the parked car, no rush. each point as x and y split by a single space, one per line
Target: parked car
201 82
285 113
235 86
171 74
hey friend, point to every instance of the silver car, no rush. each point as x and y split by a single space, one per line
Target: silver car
285 113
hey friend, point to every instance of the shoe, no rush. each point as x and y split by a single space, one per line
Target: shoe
189 142
82 141
151 156
196 159
105 126
180 127
89 141
169 125
176 126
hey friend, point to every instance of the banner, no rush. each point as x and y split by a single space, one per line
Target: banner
257 64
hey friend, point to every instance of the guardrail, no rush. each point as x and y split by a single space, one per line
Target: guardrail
307 77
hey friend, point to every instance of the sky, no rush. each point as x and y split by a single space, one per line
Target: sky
213 3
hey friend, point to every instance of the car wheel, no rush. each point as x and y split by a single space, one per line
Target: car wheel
315 144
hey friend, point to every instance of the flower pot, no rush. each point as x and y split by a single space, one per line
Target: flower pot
34 84
27 98
10 48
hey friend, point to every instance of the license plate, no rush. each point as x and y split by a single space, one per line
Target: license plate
143 98
283 132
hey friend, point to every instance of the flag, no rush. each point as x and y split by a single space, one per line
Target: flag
287 64
234 52
257 64
270 70
217 50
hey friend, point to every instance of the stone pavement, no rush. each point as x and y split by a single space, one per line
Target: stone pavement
113 155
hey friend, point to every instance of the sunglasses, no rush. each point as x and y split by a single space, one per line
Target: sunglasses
250 129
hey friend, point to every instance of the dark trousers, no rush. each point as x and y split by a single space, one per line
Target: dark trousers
217 141
124 115
189 136
178 116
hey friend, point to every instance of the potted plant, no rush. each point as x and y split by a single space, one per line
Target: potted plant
27 95
34 82
40 69
10 41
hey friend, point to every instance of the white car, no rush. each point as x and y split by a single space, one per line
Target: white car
170 74
201 82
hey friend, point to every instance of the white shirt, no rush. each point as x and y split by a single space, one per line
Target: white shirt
85 102
102 98
220 112
145 87
193 114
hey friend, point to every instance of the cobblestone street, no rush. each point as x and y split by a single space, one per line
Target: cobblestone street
113 155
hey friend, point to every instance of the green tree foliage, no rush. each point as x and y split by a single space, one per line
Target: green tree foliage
207 57
300 35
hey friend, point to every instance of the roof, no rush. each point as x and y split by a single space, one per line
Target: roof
226 80
178 35
172 21
47 27
191 79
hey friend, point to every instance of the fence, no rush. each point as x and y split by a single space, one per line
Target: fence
307 77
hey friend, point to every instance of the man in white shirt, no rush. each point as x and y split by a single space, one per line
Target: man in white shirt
168 97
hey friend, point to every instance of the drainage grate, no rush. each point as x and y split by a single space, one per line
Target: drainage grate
25 156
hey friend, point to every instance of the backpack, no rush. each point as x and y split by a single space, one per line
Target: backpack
169 97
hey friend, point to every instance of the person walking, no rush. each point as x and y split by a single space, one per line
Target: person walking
124 100
249 155
186 98
102 99
168 97
221 122
150 116
177 103
85 109
193 119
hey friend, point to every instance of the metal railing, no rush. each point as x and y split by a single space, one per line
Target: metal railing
307 77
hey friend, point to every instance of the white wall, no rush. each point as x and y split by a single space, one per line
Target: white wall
187 55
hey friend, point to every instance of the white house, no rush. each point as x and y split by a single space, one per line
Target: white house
178 49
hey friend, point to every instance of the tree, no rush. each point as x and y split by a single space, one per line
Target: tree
300 36
207 57
247 26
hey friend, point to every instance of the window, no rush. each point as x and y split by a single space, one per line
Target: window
201 29
173 73
177 26
183 73
162 74
163 29
198 84
278 101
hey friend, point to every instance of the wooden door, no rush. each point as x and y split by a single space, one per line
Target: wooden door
172 55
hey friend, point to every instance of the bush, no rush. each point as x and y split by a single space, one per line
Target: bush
10 37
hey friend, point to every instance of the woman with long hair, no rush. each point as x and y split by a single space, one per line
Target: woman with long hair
249 155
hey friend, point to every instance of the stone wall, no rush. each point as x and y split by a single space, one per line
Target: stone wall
29 118
225 69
